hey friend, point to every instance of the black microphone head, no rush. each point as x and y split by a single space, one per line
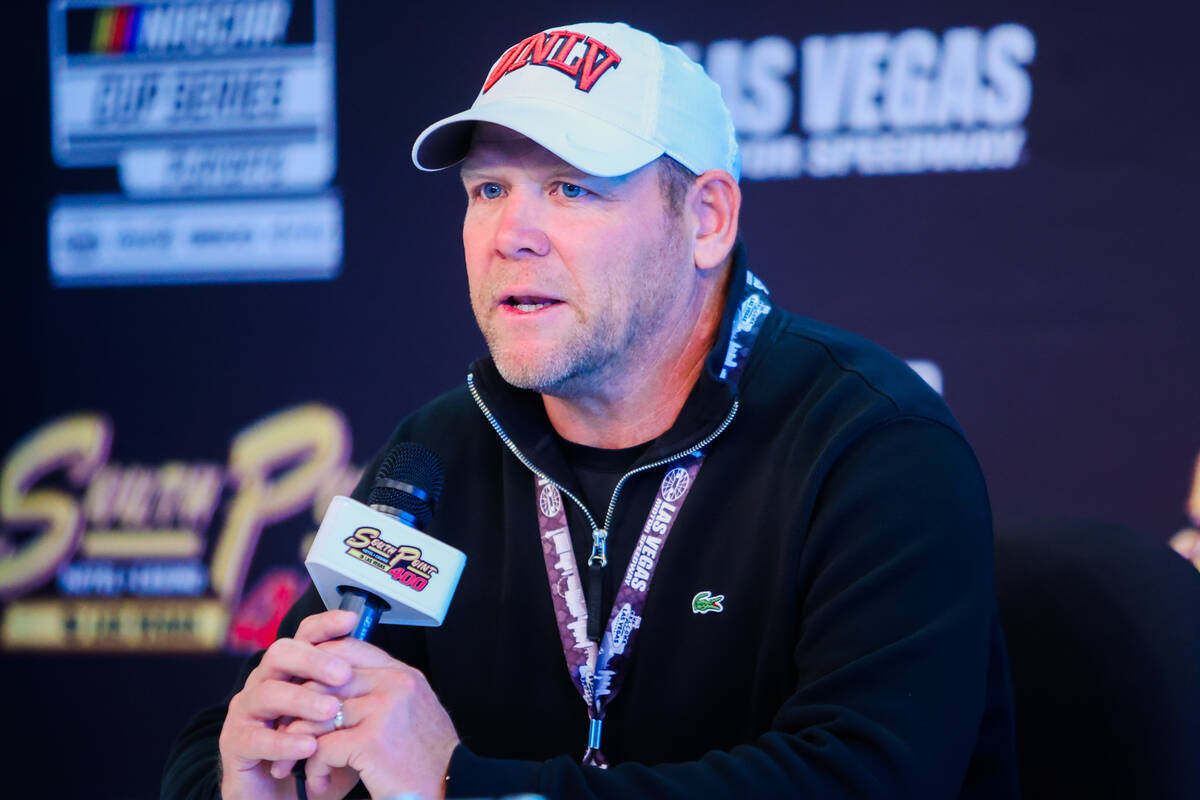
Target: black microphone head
408 483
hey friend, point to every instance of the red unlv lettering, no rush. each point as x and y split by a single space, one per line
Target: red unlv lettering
551 50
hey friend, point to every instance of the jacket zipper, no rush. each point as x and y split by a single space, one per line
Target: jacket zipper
599 555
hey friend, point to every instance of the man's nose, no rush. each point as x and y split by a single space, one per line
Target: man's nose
520 232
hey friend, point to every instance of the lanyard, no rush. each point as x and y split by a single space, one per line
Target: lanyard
598 670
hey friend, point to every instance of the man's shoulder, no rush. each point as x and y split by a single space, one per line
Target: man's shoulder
445 425
821 368
445 421
450 424
447 410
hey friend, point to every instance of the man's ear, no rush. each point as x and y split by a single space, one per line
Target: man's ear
714 202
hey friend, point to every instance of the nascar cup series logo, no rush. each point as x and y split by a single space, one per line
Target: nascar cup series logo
876 103
402 562
675 484
220 117
549 501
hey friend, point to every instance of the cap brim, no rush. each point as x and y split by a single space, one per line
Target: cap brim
584 141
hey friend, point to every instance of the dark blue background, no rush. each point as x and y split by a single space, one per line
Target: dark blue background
1059 298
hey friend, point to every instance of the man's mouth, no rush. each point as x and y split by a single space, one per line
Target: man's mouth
529 303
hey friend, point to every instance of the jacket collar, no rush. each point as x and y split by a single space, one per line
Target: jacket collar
522 416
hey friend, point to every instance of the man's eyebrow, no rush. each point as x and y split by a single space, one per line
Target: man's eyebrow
605 183
575 172
473 172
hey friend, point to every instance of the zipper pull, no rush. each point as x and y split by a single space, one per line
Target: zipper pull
595 588
599 556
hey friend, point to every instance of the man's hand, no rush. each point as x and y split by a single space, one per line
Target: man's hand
251 739
395 734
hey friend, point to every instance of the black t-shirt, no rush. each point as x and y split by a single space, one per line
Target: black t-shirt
599 470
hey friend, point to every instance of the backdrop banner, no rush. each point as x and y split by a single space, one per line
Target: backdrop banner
226 283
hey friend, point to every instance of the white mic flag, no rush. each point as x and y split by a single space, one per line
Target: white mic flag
357 546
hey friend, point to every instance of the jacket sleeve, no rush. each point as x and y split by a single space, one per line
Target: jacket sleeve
892 654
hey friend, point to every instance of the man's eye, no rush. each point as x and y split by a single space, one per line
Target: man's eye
573 190
490 191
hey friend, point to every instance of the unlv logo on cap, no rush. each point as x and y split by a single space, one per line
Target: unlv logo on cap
552 50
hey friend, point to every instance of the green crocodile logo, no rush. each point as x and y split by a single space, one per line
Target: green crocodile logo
705 602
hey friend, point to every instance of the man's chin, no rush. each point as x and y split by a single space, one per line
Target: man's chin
544 375
525 375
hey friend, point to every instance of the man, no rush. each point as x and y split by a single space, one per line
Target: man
813 524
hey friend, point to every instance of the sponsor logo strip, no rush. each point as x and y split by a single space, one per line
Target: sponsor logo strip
108 240
115 625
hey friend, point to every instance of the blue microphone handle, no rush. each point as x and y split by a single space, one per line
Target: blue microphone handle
369 609
367 606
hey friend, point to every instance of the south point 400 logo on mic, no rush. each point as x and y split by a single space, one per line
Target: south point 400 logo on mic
378 552
403 562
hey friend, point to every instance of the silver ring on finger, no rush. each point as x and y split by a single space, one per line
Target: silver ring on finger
339 719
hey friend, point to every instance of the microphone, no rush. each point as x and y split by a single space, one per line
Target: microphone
375 560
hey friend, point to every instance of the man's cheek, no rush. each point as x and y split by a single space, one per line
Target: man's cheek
478 233
481 296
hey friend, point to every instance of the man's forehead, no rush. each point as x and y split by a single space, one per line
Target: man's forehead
490 133
494 145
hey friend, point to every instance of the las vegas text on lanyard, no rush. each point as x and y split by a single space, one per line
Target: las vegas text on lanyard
598 669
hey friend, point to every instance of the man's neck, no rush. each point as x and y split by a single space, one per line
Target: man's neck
635 408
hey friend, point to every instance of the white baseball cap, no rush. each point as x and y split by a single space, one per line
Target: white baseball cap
604 97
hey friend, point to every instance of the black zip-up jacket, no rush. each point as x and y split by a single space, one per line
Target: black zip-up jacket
843 517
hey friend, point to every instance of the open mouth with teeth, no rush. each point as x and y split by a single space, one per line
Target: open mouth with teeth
528 304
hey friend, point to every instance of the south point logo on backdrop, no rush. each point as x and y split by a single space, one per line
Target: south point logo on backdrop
876 103
101 555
